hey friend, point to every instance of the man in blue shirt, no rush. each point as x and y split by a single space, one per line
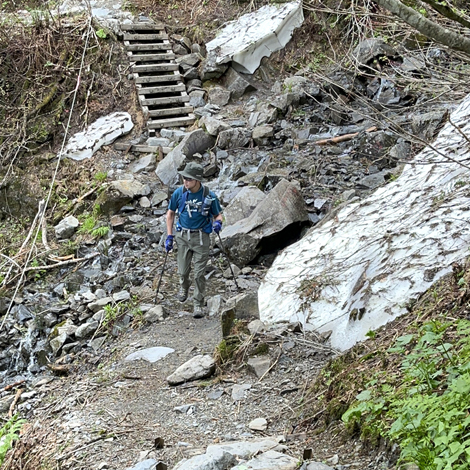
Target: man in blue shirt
199 213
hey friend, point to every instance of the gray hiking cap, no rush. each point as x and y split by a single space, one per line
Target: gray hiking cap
192 170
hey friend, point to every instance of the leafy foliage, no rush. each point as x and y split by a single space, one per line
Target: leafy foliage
424 406
8 434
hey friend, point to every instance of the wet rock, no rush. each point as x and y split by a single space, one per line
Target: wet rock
199 367
66 227
62 334
22 314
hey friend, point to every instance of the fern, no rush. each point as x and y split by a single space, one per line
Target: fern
8 434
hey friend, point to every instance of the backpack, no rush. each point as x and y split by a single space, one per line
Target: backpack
184 197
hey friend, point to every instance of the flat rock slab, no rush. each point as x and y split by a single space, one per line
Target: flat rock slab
245 449
270 460
150 354
199 367
103 131
256 35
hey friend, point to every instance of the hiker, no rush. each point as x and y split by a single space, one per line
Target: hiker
199 213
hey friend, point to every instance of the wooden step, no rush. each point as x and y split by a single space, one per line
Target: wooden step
156 73
149 47
154 68
150 57
163 101
158 78
140 148
172 122
161 89
143 27
170 111
145 37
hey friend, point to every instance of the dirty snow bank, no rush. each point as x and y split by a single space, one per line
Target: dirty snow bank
358 272
256 35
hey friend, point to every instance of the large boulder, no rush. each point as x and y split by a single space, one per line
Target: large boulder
195 142
243 204
282 207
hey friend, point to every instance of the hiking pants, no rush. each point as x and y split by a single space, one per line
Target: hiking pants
190 248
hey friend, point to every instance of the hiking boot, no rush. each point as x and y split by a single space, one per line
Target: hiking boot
198 312
182 294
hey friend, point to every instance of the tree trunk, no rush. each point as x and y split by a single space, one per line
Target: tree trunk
430 29
448 12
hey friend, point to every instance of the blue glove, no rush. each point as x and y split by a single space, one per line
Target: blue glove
169 243
217 226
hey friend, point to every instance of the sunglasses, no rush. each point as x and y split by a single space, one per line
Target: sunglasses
188 179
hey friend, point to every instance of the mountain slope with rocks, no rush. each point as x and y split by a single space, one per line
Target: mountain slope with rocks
91 353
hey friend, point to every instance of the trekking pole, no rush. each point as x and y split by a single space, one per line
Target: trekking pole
161 277
228 259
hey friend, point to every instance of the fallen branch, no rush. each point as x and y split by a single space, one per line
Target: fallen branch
81 198
15 401
342 138
62 263
9 387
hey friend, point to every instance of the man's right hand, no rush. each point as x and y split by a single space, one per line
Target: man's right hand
169 243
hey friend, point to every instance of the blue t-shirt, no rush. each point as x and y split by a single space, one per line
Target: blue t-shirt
193 206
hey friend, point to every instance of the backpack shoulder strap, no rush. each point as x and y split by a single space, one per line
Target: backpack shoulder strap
183 200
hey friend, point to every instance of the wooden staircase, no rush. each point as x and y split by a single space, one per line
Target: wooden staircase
160 87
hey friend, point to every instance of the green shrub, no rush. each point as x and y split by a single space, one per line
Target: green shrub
424 406
8 434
